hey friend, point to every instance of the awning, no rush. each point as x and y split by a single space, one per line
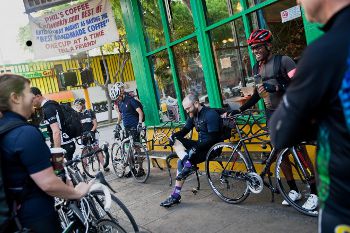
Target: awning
62 96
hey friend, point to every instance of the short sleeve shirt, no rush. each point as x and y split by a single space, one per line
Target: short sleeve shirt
51 116
127 108
24 152
86 119
267 73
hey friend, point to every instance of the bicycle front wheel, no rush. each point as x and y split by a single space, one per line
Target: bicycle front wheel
139 162
118 213
118 160
91 165
294 163
227 173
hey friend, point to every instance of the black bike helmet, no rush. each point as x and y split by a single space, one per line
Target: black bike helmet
79 101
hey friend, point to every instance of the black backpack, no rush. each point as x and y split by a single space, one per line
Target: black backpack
5 210
226 124
70 123
282 79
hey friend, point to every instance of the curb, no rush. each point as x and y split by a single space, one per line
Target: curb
103 125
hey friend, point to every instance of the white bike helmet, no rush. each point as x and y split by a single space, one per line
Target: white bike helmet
114 92
120 84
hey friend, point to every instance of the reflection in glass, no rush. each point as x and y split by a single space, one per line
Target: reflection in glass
220 9
252 3
289 37
164 86
179 18
232 60
189 69
152 24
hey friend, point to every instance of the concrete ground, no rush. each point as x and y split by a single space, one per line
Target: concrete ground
204 212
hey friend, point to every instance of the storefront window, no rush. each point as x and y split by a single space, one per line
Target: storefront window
232 60
179 18
190 70
288 37
152 24
164 86
217 10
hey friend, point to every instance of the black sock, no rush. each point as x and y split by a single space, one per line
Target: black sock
292 185
313 189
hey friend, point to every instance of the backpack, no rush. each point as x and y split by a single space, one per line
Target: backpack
282 79
5 213
226 124
70 123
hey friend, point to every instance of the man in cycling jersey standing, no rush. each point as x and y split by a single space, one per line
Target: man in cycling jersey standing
130 111
275 72
29 179
53 118
89 123
208 125
319 98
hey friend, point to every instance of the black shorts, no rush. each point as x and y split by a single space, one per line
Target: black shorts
70 149
133 132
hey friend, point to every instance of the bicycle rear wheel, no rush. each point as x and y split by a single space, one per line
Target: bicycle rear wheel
91 165
139 162
227 173
118 160
118 213
303 174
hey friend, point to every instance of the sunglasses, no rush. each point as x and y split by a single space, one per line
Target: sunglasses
256 47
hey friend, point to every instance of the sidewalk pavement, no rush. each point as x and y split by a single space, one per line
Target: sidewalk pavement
205 212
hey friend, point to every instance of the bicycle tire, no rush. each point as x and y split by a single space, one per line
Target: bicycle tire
139 162
89 166
222 174
118 213
117 160
106 225
303 183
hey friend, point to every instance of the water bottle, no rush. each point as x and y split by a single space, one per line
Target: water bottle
258 82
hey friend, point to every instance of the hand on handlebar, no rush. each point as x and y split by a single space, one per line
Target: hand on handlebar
83 188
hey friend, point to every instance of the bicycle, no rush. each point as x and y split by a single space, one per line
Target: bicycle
128 153
92 164
232 174
98 211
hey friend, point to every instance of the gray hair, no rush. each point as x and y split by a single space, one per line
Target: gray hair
192 97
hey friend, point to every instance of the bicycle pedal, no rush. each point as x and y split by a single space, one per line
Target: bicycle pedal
194 191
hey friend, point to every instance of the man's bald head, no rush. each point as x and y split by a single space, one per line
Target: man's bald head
191 104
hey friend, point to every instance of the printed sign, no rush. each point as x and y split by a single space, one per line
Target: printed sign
75 29
290 14
35 5
37 74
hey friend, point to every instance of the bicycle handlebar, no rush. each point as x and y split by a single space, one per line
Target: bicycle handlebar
106 192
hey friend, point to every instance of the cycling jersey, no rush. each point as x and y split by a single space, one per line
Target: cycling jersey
86 119
267 72
53 115
127 108
24 152
317 96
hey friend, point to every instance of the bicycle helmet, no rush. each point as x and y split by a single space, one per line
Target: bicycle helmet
260 36
120 84
79 101
114 92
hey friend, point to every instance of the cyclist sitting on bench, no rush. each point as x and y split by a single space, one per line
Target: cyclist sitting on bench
208 125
